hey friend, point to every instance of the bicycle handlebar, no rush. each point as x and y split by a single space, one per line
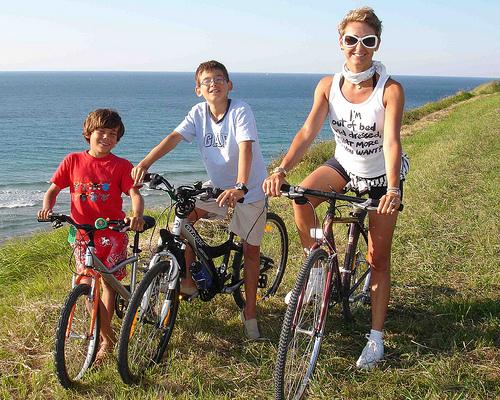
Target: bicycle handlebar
298 192
100 223
183 192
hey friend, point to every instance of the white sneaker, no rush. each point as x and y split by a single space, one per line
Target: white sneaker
314 285
371 354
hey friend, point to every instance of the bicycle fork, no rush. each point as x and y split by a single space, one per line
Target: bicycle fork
168 287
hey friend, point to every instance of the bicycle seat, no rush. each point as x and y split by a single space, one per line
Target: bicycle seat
149 222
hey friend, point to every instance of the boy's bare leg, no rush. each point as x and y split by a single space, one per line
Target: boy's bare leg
252 256
106 309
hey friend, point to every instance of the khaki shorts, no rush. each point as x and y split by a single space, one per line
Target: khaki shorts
248 220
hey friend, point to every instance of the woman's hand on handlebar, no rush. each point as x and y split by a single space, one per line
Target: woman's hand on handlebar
389 203
272 184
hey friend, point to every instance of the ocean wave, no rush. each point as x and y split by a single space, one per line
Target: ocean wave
20 204
24 185
15 198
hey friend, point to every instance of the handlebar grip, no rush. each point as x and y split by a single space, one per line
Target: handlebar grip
285 187
54 217
148 177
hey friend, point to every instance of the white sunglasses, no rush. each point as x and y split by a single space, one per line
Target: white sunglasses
369 41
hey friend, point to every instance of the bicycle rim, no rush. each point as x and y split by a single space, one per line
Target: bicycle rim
148 324
302 330
274 247
273 258
75 349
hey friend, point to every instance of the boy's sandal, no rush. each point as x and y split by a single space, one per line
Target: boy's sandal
104 352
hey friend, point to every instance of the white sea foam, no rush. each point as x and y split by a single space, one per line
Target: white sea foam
17 198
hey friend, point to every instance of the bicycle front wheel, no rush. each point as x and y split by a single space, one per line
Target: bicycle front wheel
75 346
273 258
148 324
302 330
357 283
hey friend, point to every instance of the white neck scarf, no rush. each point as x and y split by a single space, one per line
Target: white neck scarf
357 78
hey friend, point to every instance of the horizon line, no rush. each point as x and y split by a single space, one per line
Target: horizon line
235 72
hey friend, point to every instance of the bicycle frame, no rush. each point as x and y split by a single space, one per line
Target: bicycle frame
95 269
172 245
343 275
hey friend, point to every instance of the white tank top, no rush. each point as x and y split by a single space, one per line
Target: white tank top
358 130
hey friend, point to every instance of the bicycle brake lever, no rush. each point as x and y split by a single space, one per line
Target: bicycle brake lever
57 224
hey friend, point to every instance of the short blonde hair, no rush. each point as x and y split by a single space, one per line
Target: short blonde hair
363 14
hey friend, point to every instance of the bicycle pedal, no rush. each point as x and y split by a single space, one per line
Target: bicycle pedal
262 283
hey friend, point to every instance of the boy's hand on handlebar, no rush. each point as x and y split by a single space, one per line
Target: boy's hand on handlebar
44 213
389 203
135 223
138 173
272 184
230 197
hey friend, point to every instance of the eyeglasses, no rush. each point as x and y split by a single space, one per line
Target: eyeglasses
216 81
369 41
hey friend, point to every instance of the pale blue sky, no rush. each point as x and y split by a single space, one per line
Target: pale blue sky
450 38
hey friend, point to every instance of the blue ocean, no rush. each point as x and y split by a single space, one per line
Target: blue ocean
41 116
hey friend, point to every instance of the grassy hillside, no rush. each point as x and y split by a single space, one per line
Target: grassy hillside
443 328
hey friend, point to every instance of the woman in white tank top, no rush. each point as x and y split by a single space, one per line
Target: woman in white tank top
365 107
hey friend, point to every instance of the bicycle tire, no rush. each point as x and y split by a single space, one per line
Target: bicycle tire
274 247
296 360
143 338
75 354
356 285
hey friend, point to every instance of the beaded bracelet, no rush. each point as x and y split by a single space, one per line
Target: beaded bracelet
394 190
278 170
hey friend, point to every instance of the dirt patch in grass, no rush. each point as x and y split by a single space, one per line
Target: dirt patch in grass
407 130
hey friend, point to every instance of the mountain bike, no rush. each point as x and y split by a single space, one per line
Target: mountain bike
322 282
77 334
150 317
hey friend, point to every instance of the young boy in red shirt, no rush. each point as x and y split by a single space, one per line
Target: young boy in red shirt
97 178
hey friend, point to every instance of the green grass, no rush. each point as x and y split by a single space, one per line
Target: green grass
443 327
411 116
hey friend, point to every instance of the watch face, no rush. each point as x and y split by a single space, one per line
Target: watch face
241 186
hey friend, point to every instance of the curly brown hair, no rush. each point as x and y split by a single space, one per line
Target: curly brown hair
102 118
363 14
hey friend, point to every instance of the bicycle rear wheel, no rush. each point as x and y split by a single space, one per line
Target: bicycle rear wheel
273 258
148 324
75 348
302 329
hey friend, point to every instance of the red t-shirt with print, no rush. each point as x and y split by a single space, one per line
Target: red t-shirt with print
96 185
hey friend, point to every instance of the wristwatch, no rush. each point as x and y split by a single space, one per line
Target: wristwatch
241 186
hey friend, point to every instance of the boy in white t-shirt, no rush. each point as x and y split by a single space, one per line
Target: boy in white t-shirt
226 135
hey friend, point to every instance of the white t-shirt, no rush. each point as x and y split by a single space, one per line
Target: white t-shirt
218 144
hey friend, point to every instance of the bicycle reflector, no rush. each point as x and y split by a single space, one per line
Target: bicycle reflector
100 223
